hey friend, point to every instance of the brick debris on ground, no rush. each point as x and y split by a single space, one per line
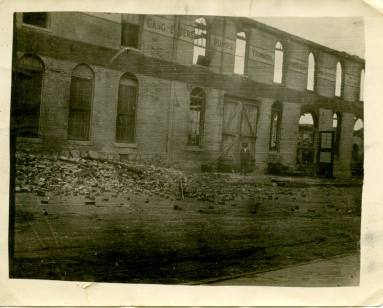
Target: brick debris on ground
90 219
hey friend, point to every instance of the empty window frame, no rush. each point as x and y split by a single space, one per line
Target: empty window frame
81 93
278 63
361 86
311 72
126 109
26 96
337 127
306 139
196 116
358 125
358 129
37 19
200 41
130 30
240 53
338 80
276 115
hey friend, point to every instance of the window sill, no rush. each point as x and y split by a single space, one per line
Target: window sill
338 99
240 75
80 142
273 152
194 148
129 48
125 145
36 27
201 66
29 139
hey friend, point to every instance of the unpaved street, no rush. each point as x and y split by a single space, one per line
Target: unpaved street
136 237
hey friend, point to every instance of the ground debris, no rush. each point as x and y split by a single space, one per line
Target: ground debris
89 177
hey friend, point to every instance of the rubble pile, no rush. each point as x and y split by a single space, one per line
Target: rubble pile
82 176
62 175
209 187
218 188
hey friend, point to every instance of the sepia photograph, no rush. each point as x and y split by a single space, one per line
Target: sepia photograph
186 149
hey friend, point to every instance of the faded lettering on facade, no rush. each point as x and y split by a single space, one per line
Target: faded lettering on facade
261 55
169 28
222 44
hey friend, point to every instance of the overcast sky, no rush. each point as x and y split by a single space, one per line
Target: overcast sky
340 33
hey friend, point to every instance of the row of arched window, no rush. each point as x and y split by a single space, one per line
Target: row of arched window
199 57
80 105
308 124
28 78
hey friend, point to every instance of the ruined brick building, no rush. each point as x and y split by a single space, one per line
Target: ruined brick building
188 89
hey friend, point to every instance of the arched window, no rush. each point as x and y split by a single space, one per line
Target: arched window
200 41
196 116
240 53
80 103
126 108
26 96
278 63
337 127
311 72
358 126
306 139
276 115
361 87
358 149
338 80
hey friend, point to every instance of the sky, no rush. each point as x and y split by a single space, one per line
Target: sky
340 33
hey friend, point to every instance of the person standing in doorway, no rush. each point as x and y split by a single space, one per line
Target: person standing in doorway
245 158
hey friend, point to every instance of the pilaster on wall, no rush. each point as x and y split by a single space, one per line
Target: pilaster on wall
55 101
177 120
289 133
213 122
104 108
342 165
263 134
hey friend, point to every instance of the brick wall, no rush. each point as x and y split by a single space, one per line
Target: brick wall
263 134
325 119
261 56
162 119
289 133
296 65
342 164
87 28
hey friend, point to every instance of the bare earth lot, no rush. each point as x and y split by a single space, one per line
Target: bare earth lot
133 237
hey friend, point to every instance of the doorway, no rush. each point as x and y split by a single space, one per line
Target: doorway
239 126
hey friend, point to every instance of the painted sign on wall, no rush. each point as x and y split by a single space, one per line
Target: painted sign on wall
261 55
164 26
226 45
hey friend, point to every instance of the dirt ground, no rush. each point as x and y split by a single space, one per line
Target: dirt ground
141 238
